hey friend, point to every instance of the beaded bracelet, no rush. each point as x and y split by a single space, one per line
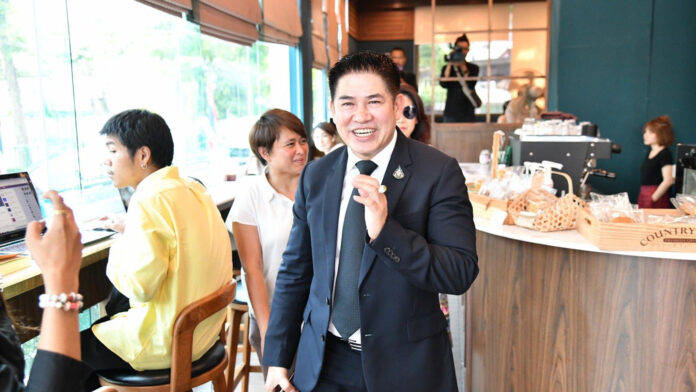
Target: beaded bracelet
67 302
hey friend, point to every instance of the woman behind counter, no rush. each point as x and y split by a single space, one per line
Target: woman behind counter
656 172
261 216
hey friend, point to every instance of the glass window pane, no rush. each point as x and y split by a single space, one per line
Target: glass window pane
148 65
37 122
449 19
530 15
523 15
502 16
208 90
320 96
528 53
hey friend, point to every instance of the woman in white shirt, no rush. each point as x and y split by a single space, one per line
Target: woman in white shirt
261 216
326 137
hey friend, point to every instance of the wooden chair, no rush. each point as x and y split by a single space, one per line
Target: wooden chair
238 320
183 374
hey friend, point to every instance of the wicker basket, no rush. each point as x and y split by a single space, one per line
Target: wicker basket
562 214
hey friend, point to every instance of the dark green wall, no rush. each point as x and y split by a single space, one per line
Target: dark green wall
620 63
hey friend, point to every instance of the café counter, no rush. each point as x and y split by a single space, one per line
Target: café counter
550 311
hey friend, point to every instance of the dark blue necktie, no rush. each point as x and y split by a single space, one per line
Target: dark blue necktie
346 311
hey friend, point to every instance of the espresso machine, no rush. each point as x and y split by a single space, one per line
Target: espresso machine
577 153
686 169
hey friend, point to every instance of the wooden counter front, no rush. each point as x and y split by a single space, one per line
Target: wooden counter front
23 284
549 318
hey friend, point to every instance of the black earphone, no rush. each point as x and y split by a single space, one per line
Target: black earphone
410 112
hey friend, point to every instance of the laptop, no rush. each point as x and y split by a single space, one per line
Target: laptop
19 205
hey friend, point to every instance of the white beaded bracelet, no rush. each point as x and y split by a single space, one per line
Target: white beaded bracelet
67 302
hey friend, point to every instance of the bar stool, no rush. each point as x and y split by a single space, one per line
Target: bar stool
183 374
238 320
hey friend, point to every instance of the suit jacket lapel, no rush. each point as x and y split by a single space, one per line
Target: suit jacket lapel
333 186
400 159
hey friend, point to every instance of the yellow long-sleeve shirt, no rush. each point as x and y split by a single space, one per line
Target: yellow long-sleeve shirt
175 250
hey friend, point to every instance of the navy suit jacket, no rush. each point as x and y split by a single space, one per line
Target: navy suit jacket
427 246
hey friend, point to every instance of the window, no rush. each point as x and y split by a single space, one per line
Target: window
508 42
320 96
67 67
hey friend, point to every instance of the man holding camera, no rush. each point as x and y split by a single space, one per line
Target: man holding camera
461 95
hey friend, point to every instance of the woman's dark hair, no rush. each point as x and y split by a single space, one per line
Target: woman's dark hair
136 128
662 128
422 130
366 61
267 128
19 327
328 127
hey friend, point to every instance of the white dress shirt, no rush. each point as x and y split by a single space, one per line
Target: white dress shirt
382 160
271 212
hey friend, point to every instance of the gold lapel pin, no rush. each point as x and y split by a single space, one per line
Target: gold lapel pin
398 173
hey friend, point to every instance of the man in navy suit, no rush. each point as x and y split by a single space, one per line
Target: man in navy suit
367 317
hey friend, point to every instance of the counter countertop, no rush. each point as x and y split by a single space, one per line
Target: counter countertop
569 239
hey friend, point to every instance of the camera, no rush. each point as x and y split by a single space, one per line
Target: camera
456 55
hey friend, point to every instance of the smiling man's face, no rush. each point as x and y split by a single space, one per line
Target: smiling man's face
365 113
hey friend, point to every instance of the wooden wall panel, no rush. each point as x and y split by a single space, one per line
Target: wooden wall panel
552 319
352 20
464 141
383 25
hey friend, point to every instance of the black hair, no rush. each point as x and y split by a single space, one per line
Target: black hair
328 127
137 128
462 38
398 48
421 132
266 130
366 61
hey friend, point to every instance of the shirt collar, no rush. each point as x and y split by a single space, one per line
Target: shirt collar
165 172
381 159
267 191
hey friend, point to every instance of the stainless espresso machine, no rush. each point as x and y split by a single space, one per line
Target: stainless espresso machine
577 153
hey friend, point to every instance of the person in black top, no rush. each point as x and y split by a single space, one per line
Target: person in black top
656 172
461 95
57 366
398 56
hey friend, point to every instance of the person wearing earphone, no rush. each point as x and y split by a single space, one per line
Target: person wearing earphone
413 122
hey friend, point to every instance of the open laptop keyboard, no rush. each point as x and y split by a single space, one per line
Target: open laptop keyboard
18 247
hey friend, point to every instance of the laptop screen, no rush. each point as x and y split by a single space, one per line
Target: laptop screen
18 205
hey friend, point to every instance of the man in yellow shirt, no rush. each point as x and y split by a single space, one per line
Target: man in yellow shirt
174 250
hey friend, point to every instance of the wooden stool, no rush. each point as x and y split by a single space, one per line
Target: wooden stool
183 374
238 320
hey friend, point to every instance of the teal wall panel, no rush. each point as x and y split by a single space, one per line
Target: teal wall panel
620 63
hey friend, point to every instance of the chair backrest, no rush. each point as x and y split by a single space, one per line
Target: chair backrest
186 323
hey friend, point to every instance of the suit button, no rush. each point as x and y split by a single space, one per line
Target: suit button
323 338
396 259
328 301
